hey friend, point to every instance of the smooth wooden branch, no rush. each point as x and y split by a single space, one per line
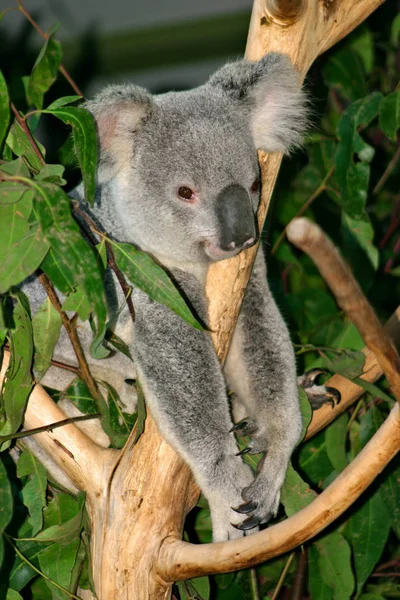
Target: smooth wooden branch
80 459
180 560
311 239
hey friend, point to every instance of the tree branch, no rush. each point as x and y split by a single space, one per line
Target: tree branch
311 239
180 560
83 462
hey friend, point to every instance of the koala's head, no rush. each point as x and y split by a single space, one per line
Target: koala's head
181 168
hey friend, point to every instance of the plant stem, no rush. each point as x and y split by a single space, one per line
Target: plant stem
44 35
254 584
283 575
70 328
387 172
22 123
321 188
300 575
50 427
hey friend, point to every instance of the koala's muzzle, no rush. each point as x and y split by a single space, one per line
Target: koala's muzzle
236 218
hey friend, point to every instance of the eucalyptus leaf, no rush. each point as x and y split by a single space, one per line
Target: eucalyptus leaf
335 438
63 101
147 275
18 380
85 142
19 143
389 115
45 69
4 108
52 173
345 71
46 325
34 490
370 527
57 562
353 177
335 565
6 505
295 493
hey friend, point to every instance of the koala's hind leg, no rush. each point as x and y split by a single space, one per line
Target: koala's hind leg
261 370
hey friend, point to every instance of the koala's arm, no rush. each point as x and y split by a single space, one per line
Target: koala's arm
261 371
185 390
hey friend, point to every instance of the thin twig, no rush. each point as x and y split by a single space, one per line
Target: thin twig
387 172
393 225
283 576
311 239
50 427
321 188
255 595
388 267
300 576
70 328
44 35
22 123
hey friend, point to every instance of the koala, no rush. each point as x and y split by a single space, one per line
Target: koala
178 177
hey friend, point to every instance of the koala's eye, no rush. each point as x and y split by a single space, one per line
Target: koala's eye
186 193
255 185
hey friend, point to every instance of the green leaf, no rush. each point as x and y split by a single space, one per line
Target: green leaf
78 393
77 301
295 493
13 595
63 102
147 275
372 389
391 497
389 115
72 261
116 424
14 167
353 177
319 590
335 565
85 142
4 109
358 236
370 527
335 438
395 30
6 506
64 533
349 364
362 42
345 71
22 248
52 173
18 379
46 325
34 491
19 143
45 69
57 562
313 459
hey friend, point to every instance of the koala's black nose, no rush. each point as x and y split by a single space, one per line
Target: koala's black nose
236 218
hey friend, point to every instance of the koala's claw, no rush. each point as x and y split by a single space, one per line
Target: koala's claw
244 427
248 523
246 507
245 450
318 394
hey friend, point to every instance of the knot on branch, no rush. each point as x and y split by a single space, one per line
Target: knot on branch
284 12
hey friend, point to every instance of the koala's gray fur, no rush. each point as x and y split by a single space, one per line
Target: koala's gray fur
205 139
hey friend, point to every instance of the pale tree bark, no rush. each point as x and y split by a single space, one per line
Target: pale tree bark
138 498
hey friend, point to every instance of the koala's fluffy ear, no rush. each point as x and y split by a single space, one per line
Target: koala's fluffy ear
269 92
119 111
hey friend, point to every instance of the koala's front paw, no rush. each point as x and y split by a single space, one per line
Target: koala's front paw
318 395
225 493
